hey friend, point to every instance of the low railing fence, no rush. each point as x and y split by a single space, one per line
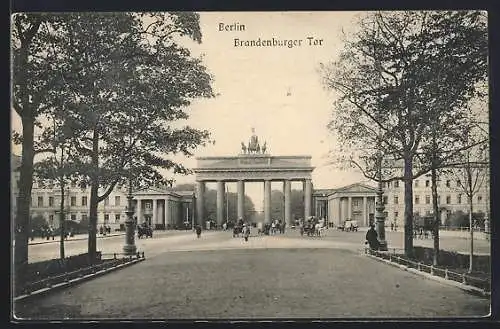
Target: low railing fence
108 261
468 279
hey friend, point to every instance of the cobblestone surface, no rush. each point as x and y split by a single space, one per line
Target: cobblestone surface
269 277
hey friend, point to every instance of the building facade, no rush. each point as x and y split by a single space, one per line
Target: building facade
451 198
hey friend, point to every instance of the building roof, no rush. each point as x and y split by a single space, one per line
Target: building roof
353 188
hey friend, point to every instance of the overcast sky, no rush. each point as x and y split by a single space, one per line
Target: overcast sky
253 84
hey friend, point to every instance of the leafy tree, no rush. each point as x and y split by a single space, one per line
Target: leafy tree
57 168
34 45
125 81
387 91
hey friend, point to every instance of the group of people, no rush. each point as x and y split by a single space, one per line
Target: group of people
312 226
103 230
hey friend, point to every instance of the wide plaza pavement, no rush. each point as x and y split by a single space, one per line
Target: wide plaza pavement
283 276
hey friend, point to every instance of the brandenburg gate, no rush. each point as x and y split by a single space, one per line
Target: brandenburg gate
253 164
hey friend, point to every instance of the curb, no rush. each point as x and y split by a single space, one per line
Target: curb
75 281
465 287
75 239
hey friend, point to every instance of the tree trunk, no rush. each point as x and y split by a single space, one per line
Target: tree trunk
471 228
94 190
435 259
408 181
61 221
22 219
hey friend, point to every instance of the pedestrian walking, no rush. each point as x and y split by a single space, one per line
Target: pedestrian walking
246 231
198 231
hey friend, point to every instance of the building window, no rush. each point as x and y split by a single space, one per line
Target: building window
106 218
417 199
479 198
427 199
388 184
396 199
459 198
51 201
117 218
84 200
427 183
416 183
355 203
447 183
385 200
439 199
73 201
117 200
84 217
40 201
396 183
458 183
73 217
147 205
51 220
106 201
396 214
448 199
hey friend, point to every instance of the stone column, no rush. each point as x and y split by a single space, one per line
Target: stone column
200 205
220 202
167 213
138 212
349 208
288 203
241 198
365 211
307 198
155 210
340 220
267 201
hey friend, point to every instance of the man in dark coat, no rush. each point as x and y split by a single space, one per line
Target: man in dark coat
198 231
372 238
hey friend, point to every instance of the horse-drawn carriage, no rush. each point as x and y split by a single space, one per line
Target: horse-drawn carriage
350 226
237 230
144 231
423 227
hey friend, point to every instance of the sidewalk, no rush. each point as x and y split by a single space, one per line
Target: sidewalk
74 238
113 234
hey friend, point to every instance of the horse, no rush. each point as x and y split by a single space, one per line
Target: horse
144 231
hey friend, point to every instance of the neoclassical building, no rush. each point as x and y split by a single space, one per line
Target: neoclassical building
352 202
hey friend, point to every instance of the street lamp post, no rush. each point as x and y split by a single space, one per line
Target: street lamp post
130 248
379 216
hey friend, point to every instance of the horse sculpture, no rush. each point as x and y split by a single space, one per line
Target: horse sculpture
243 148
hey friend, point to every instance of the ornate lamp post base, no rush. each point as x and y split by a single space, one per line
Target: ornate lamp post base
129 249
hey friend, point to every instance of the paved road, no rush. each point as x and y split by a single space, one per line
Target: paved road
164 240
218 276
